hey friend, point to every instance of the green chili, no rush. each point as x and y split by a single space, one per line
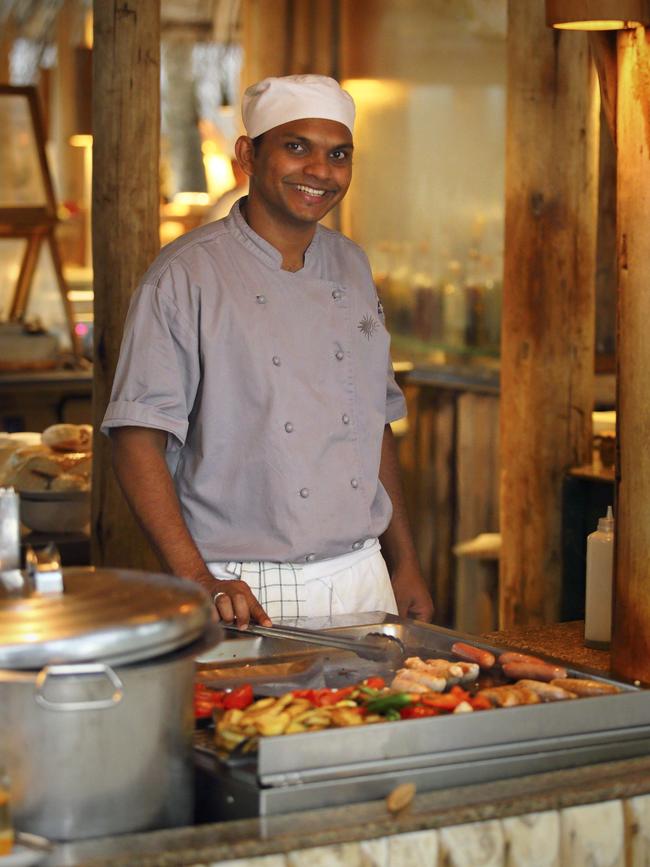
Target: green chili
392 714
395 701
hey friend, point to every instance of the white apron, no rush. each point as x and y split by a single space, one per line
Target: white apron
351 583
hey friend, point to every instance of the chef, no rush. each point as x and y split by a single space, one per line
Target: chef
251 407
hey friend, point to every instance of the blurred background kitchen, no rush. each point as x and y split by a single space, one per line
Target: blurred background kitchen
427 204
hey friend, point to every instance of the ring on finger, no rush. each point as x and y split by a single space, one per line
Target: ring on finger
215 596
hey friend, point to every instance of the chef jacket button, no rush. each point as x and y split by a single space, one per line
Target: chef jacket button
356 545
288 427
261 299
354 483
304 493
345 418
336 294
310 558
276 360
340 355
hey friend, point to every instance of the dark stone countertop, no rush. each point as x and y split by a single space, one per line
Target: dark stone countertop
560 640
249 838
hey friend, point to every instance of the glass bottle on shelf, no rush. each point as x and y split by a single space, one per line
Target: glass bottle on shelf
401 290
6 827
427 324
475 324
453 307
493 298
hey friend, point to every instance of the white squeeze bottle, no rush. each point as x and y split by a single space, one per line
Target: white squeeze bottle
600 568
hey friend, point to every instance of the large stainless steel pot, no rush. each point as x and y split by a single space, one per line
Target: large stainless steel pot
96 713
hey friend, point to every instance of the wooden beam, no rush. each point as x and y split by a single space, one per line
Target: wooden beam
266 39
289 37
631 628
7 36
126 120
603 51
69 160
548 303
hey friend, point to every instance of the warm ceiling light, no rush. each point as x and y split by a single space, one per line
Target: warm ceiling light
595 25
597 14
81 140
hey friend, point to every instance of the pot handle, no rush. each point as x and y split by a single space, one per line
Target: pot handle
88 668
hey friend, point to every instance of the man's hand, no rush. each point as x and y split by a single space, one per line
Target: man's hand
235 603
411 594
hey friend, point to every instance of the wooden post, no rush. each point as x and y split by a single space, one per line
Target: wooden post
265 40
7 36
126 121
631 633
70 160
289 37
548 305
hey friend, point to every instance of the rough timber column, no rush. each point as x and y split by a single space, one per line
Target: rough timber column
126 121
547 356
289 37
631 634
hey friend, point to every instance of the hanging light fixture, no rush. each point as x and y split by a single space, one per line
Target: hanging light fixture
597 14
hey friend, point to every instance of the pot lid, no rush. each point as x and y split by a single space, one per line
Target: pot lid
108 615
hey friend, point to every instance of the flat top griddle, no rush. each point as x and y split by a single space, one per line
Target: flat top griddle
331 766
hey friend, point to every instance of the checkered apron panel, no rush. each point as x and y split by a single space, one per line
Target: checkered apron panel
279 587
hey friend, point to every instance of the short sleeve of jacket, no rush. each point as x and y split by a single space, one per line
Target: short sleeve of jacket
158 371
395 402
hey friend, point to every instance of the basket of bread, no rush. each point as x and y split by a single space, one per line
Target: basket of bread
51 472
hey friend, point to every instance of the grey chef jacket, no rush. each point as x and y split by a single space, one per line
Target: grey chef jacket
274 388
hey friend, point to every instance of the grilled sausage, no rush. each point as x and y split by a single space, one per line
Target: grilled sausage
535 670
516 656
511 695
483 658
547 691
584 687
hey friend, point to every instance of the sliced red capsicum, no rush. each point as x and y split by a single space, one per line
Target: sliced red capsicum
417 711
240 698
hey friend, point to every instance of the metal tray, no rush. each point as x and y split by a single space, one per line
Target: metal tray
338 766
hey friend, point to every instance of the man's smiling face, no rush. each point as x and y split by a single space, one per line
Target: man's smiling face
302 169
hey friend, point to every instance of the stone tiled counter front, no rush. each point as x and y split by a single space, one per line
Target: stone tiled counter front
592 816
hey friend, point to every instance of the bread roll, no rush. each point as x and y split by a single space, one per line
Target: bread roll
35 468
68 437
70 482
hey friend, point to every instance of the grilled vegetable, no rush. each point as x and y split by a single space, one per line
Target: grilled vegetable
391 701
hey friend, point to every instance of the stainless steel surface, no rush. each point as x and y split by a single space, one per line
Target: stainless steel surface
96 746
339 766
106 766
376 646
44 569
112 615
45 675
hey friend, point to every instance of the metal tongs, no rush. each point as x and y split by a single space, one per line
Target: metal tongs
375 645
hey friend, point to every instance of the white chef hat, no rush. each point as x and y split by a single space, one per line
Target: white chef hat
274 101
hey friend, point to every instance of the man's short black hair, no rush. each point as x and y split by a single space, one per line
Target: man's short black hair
257 141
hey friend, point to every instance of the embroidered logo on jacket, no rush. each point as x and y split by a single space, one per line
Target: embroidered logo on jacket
368 325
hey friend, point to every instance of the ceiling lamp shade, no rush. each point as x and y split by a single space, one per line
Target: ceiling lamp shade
597 14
